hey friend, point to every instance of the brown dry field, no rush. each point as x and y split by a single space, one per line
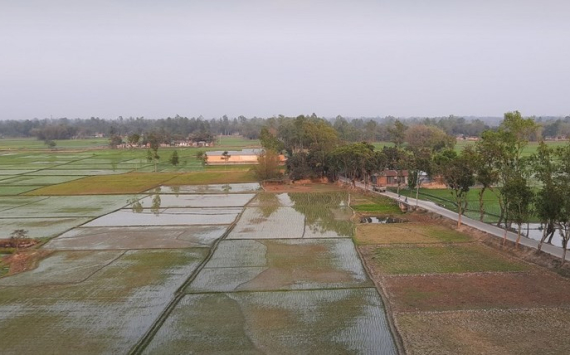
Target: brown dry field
497 312
502 332
478 291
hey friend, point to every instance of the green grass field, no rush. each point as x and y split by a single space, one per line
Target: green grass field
374 204
443 259
224 142
444 198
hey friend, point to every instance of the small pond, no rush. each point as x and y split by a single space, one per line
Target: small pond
382 220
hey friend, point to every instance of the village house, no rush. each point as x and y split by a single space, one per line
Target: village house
236 157
390 178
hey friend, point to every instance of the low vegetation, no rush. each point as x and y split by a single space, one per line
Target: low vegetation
451 294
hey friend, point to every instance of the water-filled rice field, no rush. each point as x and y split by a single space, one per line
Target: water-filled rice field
211 189
90 303
181 269
69 206
300 322
265 265
153 237
39 227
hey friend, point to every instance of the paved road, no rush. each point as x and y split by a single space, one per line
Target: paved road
485 227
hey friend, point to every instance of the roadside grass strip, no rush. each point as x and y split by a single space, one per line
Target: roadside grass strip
477 291
407 233
129 238
442 259
107 312
265 265
513 331
298 322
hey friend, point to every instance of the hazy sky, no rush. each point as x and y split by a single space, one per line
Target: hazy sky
110 58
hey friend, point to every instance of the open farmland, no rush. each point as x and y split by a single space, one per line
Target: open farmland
222 267
451 294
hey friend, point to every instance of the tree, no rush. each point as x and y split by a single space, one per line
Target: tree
484 158
563 174
268 166
458 173
503 149
226 156
17 238
518 198
154 139
174 160
50 144
269 140
353 160
133 139
298 167
549 200
397 133
422 137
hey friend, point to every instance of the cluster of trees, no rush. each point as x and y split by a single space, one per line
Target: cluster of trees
523 186
179 127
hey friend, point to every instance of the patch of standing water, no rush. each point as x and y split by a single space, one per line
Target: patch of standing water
535 232
209 189
382 220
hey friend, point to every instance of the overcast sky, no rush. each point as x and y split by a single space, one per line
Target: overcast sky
110 58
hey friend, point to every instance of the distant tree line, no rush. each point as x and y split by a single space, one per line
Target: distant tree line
179 127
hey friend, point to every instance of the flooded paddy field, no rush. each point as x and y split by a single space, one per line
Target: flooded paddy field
166 217
71 172
299 322
153 237
38 180
69 206
198 201
93 311
211 189
16 190
15 171
247 265
39 227
182 269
